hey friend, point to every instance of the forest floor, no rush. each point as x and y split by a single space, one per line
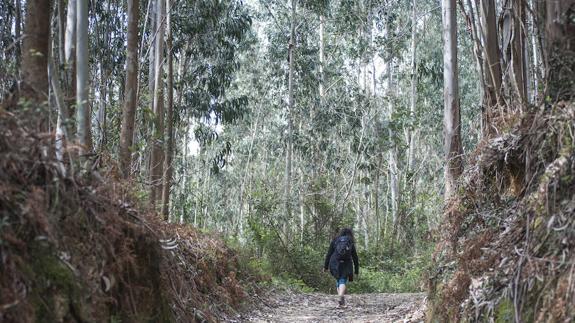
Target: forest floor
317 307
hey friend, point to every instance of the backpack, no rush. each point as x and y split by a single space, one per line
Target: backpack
343 247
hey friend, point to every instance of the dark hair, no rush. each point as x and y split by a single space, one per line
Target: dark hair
347 232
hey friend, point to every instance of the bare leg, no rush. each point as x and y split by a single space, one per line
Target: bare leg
341 293
341 290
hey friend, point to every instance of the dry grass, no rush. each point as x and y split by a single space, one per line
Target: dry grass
512 227
80 249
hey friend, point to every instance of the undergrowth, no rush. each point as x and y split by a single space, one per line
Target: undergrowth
508 239
78 247
301 270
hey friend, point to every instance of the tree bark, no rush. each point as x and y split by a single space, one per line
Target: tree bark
393 151
18 32
492 65
62 132
169 121
451 114
151 55
157 154
35 56
131 92
61 30
517 51
413 108
535 61
82 73
289 147
70 37
321 58
101 115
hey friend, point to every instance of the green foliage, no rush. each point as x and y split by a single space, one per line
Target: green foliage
504 311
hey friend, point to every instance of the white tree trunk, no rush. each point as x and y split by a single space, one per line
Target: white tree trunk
157 155
289 147
535 56
321 58
413 109
62 121
451 116
70 37
82 74
393 152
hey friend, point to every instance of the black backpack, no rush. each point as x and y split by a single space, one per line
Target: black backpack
343 247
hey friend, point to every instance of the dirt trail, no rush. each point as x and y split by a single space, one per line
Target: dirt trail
317 307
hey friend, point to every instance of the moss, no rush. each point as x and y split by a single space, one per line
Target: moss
504 312
55 293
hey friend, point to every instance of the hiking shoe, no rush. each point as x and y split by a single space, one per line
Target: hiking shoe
341 301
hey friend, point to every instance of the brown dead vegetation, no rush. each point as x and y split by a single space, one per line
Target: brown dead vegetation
508 241
78 249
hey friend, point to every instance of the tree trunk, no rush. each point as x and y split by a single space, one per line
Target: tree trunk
18 32
35 56
413 109
492 66
61 30
151 53
473 18
517 51
321 58
62 132
169 121
82 74
70 37
289 148
392 154
157 154
101 116
451 115
535 61
130 98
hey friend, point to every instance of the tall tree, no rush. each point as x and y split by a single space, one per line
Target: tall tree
70 37
35 53
289 147
82 74
451 114
492 65
169 119
157 151
131 88
517 50
412 134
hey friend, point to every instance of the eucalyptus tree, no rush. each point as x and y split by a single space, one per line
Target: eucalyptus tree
492 65
290 107
35 54
169 150
131 88
451 114
157 156
83 135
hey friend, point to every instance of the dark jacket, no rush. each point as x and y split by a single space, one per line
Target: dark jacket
341 268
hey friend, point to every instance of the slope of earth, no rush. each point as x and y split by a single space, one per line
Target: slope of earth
316 307
508 238
77 247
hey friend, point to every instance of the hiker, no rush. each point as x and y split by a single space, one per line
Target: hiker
339 259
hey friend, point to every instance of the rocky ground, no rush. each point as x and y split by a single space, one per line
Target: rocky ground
316 307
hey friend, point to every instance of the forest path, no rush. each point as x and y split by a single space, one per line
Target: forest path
316 307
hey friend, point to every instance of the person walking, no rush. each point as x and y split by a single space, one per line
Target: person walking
341 260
